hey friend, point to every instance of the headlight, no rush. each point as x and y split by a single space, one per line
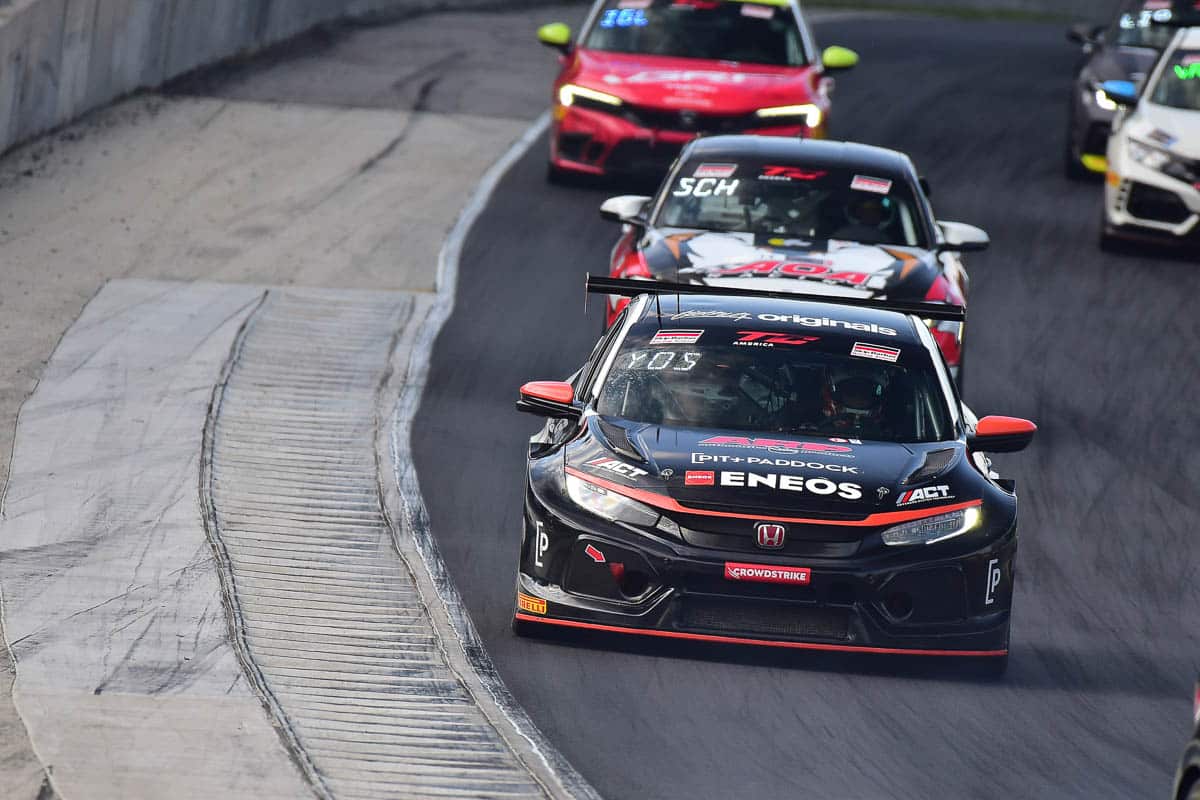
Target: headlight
812 115
568 93
933 529
1151 157
1103 101
610 505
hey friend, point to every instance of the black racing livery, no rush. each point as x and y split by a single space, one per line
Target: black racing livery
757 468
809 216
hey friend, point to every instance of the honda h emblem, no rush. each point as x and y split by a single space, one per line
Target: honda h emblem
770 535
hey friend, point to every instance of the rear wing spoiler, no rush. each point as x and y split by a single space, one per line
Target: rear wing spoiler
633 288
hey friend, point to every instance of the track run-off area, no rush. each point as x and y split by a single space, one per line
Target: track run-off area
219 577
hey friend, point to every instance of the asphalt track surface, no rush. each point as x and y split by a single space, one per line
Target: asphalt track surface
1100 350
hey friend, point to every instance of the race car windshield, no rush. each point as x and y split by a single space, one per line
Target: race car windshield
748 32
1179 84
792 202
1141 25
763 379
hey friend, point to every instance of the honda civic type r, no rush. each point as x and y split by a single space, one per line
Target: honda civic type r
818 217
1153 182
647 76
735 466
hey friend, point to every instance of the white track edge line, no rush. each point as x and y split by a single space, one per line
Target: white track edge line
407 481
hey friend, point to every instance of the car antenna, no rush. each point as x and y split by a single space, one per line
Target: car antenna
658 309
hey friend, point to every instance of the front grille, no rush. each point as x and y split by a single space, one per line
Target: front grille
639 156
1150 202
691 121
756 617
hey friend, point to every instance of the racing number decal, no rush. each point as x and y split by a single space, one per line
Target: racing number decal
660 360
706 187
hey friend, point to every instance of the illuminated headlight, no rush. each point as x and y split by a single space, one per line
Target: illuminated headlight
569 93
932 530
1149 156
1103 101
812 115
610 505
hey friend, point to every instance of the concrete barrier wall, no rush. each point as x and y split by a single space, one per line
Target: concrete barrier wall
1099 10
62 58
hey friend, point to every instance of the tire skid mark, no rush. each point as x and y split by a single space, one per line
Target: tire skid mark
327 618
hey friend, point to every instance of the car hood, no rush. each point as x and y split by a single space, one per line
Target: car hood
772 475
1174 129
830 267
715 87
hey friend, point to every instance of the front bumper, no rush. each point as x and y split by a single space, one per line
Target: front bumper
1145 203
952 601
592 142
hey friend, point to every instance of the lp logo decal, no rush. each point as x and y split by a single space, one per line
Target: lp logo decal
540 545
993 581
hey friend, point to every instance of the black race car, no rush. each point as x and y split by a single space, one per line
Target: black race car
1122 51
759 468
808 216
1187 777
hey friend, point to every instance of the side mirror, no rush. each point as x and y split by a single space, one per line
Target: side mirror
835 58
554 399
556 35
962 238
1001 435
628 208
1123 93
1082 33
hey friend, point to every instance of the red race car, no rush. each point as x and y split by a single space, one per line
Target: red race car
647 76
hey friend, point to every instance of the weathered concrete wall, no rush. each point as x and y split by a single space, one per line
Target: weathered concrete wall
1098 10
62 58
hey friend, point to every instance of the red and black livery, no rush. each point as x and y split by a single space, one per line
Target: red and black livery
816 217
748 467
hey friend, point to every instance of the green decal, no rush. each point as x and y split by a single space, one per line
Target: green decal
1190 71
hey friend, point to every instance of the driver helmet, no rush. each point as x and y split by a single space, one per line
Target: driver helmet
870 211
855 400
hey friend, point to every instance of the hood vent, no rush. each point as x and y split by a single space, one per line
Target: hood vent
619 441
936 462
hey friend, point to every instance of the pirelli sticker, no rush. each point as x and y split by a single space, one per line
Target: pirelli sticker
533 605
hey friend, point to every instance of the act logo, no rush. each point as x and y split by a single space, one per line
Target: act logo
913 496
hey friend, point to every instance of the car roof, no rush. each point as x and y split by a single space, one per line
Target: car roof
730 311
833 154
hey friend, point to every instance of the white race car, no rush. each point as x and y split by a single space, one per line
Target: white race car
1153 184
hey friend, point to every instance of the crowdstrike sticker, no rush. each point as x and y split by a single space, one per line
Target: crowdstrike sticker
695 477
877 352
761 573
